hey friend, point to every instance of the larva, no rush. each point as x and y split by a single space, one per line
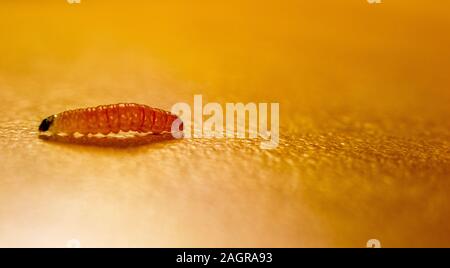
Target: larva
113 118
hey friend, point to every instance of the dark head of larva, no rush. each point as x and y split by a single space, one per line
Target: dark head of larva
46 123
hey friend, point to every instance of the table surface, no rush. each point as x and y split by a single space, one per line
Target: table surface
364 123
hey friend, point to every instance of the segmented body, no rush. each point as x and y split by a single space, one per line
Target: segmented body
113 118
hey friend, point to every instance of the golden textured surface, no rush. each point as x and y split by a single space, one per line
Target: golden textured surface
364 100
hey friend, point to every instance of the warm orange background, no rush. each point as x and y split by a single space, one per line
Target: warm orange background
364 98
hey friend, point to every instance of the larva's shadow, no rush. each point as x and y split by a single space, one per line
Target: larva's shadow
111 142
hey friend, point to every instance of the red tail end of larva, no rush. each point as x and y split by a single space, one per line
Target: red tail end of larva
112 118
